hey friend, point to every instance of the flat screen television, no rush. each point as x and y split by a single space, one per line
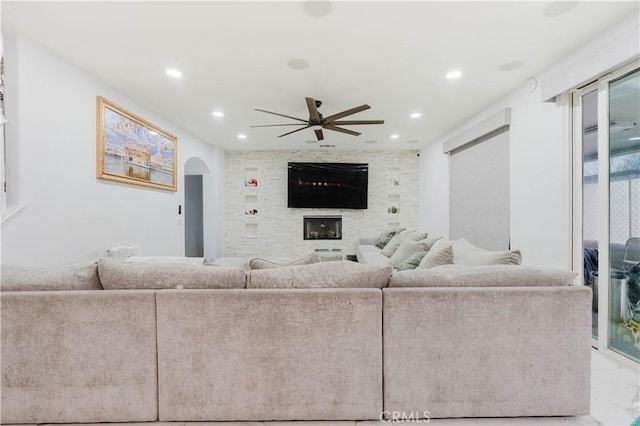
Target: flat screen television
328 185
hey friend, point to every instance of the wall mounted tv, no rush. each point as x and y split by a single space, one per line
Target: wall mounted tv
328 185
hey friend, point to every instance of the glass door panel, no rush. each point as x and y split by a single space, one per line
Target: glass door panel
624 215
589 103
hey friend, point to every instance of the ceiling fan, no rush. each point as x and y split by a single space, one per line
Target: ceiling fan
317 122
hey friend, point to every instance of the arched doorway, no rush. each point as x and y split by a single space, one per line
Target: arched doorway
194 168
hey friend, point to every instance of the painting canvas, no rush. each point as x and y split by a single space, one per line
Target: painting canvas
132 150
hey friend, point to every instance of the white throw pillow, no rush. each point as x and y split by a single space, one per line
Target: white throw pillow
443 256
407 249
465 253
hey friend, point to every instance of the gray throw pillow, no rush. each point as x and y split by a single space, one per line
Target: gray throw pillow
412 262
258 263
465 253
386 236
32 278
443 256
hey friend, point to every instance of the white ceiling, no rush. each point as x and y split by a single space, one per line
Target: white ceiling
391 55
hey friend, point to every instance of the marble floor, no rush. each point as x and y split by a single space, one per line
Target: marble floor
615 401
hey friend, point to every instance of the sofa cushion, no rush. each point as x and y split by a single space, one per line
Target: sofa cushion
119 275
407 249
442 256
374 258
429 242
412 262
397 239
338 274
482 276
465 253
386 236
259 263
31 278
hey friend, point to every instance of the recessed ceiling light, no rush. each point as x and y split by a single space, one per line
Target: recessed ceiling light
557 8
174 73
634 139
395 136
317 9
452 75
298 64
218 114
416 115
242 136
510 66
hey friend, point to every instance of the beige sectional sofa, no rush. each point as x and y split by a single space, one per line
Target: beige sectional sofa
506 341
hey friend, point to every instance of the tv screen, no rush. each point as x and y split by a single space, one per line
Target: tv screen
328 185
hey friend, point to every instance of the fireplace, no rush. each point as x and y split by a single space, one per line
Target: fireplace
322 228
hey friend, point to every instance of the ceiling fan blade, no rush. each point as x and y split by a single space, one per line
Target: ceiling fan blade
339 129
344 113
282 115
274 125
319 135
352 122
297 130
314 116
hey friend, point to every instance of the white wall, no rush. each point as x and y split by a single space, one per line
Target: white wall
280 228
69 214
539 167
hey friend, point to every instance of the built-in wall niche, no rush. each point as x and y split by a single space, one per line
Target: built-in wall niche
251 230
394 177
251 176
251 204
393 204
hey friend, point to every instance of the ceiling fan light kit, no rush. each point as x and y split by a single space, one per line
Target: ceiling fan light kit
317 122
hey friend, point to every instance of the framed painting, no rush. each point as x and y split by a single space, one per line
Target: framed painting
132 150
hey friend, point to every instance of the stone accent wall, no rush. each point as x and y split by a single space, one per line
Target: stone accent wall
276 230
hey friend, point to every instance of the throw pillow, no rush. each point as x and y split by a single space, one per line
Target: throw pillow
443 256
258 263
465 253
337 274
412 262
32 278
429 242
393 245
407 249
386 236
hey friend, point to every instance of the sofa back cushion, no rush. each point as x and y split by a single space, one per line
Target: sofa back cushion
31 278
119 275
337 274
259 263
482 276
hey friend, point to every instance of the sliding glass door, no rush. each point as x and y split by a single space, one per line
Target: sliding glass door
606 202
624 214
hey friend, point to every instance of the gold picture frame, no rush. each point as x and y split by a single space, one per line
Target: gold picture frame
134 151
